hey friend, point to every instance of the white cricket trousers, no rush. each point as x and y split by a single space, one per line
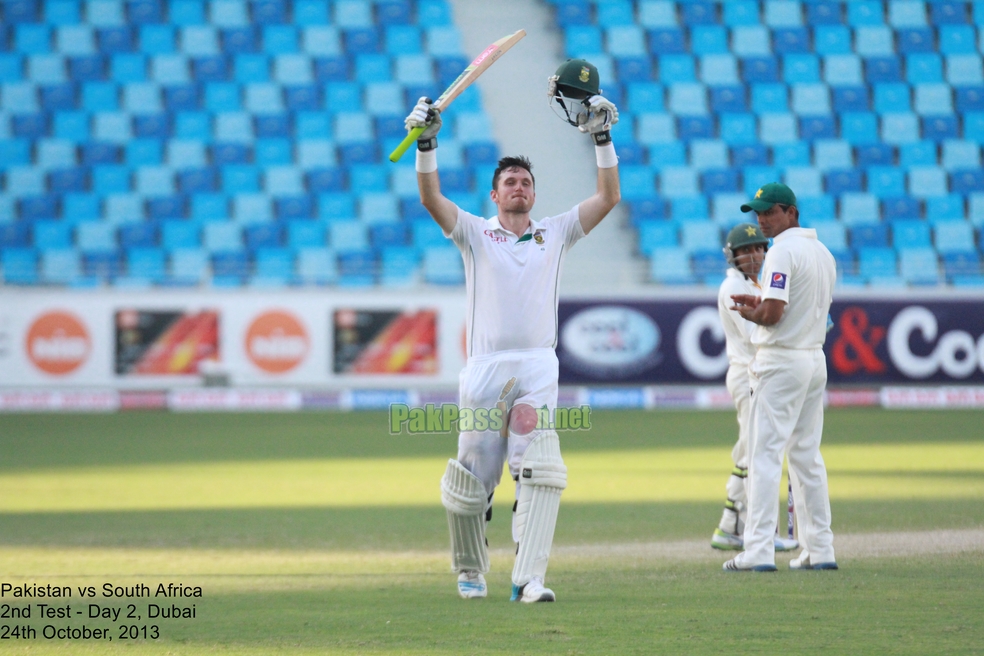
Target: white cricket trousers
479 385
738 387
787 417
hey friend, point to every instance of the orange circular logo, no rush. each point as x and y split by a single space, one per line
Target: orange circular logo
58 343
276 341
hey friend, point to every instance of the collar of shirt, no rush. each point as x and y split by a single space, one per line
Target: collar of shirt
733 272
809 233
495 225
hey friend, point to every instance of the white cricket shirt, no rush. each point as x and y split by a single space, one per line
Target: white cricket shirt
512 281
799 270
737 331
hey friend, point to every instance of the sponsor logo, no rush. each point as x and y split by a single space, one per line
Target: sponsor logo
610 341
527 473
957 353
58 343
497 239
701 329
778 281
276 342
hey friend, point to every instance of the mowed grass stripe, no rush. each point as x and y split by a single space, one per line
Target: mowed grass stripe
874 471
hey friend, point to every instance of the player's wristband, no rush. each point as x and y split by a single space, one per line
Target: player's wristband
426 161
426 145
606 154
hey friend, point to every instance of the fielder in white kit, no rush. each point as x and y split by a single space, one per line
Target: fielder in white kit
512 272
744 251
787 376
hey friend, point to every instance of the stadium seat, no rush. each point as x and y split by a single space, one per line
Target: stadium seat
919 266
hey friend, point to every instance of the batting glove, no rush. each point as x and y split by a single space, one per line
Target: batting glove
602 115
425 115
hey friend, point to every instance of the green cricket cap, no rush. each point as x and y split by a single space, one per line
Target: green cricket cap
769 195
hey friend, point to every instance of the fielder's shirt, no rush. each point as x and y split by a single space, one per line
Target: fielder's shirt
512 280
737 330
800 271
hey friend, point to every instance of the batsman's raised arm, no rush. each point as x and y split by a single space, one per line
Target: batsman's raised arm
575 97
440 208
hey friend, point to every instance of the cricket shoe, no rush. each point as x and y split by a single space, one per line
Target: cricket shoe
738 564
726 541
785 544
532 592
731 542
471 585
803 562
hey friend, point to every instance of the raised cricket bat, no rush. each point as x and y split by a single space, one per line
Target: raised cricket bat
462 82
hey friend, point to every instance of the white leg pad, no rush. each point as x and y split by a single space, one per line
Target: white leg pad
542 477
463 495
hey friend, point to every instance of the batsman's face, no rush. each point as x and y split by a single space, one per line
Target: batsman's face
749 259
515 192
777 219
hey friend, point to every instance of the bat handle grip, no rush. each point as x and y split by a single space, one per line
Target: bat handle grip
411 137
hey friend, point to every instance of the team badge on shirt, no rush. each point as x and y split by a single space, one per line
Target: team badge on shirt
538 236
778 281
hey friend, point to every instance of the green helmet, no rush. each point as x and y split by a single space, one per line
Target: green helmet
743 234
578 79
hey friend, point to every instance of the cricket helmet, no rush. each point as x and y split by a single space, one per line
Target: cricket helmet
743 234
575 81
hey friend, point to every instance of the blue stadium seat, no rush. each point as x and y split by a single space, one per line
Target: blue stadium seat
294 207
869 236
877 262
698 13
763 69
831 40
885 182
657 234
267 235
954 237
20 266
740 12
831 233
961 264
105 265
802 68
858 208
139 235
60 265
901 208
913 40
874 41
924 68
910 234
882 69
945 208
671 266
970 98
189 265
573 12
791 40
357 268
649 209
667 41
940 128
146 263
918 153
919 266
967 181
729 99
14 235
677 68
232 266
688 208
927 181
443 266
317 265
709 262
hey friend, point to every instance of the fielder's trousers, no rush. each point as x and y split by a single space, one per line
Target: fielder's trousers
787 417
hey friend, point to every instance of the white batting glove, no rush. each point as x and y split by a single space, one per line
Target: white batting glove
552 85
602 115
425 115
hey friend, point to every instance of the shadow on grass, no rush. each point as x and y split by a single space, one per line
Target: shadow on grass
401 528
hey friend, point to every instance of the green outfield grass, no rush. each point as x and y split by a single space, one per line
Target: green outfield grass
322 533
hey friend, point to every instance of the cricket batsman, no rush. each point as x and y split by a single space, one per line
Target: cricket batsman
744 251
787 377
512 269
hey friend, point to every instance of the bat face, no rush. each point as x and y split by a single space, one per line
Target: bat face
462 82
